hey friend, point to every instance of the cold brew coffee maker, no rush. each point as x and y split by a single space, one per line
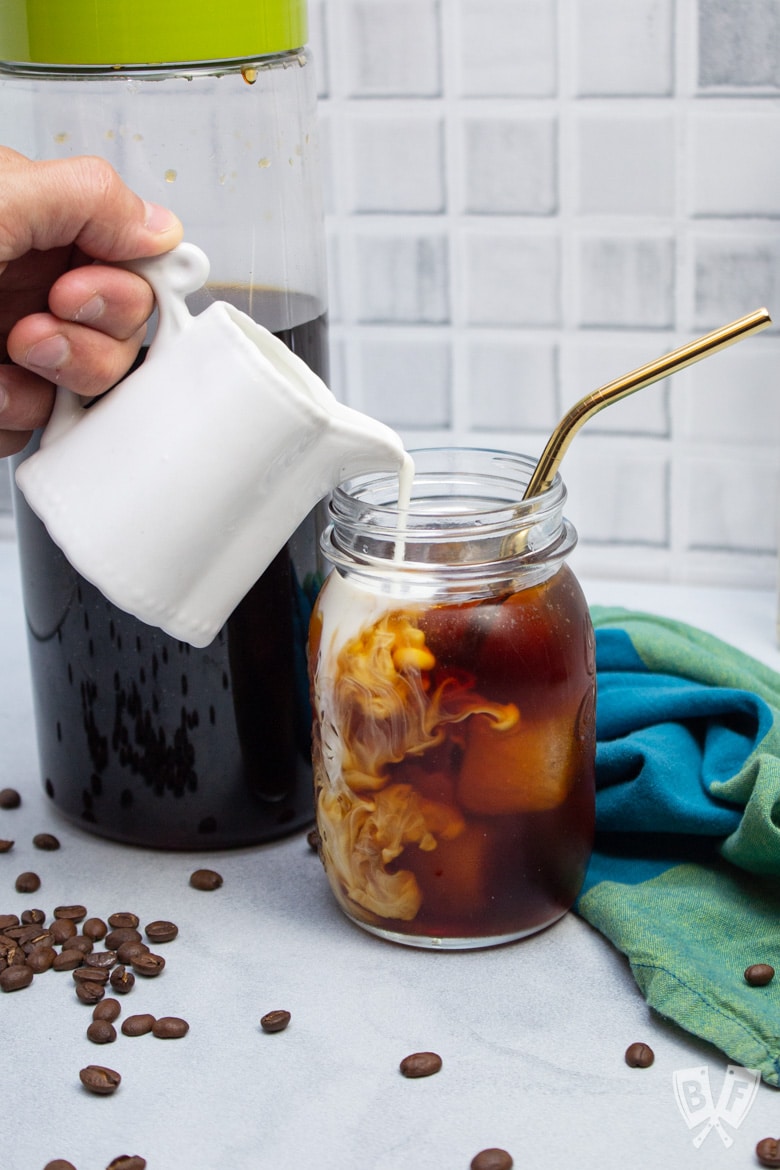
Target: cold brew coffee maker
209 110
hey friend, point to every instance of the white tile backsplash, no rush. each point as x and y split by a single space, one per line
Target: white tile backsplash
510 278
394 162
626 163
735 161
506 48
526 180
623 47
626 281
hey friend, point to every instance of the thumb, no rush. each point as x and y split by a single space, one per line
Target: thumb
79 201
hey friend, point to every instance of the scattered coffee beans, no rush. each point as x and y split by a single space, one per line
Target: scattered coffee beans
59 1164
170 1028
62 929
759 974
123 920
128 950
492 1159
138 1025
108 1009
105 960
73 913
8 920
148 965
161 931
275 1021
9 798
41 958
16 977
67 960
6 846
313 839
421 1064
768 1152
101 1032
121 934
639 1056
99 1079
94 928
127 1162
27 883
90 975
90 993
38 917
122 980
205 879
46 841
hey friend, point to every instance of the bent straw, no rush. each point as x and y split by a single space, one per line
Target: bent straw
558 443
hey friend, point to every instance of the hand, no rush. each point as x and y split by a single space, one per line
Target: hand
63 317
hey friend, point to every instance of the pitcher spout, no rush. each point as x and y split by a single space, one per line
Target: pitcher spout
365 445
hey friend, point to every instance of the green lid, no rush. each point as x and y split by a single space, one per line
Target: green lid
147 32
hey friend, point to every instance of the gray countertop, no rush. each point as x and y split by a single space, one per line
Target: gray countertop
532 1035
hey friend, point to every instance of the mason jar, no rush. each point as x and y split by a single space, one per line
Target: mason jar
452 668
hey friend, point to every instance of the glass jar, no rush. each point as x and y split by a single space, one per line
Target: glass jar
210 110
452 667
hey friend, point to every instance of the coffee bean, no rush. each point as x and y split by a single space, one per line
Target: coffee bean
16 977
8 921
138 1025
161 931
102 959
73 913
123 920
99 1079
768 1152
90 975
6 846
37 917
94 928
90 993
59 1164
101 1032
314 840
421 1064
108 1009
9 798
170 1028
62 929
492 1159
275 1021
78 942
639 1056
27 883
759 974
46 841
41 958
127 1162
29 933
148 965
122 980
121 934
205 879
131 950
67 960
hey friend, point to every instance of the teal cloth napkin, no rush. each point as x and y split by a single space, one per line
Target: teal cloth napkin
685 875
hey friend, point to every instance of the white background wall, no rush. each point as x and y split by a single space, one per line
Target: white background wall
527 198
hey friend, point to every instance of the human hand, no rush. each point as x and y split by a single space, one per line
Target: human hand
63 317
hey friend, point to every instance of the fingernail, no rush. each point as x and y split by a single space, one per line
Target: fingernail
49 354
159 219
3 398
90 310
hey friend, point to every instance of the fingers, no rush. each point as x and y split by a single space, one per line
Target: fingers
78 200
110 300
77 356
25 403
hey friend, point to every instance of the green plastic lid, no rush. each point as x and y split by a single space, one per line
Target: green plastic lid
147 32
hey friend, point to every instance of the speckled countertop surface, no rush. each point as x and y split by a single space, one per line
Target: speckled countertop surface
532 1035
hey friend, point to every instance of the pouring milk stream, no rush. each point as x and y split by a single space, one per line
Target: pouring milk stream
174 492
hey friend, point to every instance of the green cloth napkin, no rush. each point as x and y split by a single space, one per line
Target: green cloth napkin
685 875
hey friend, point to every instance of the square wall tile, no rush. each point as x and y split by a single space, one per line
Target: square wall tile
624 47
510 279
509 165
587 364
735 163
507 48
733 398
512 385
317 43
625 164
738 43
405 382
626 281
401 278
396 164
617 499
393 48
734 275
732 505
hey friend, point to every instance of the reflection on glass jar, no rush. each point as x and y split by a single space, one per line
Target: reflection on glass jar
453 686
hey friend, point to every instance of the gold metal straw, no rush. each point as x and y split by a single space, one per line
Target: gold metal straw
662 367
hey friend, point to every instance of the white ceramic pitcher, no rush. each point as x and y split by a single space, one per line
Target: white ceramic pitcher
173 492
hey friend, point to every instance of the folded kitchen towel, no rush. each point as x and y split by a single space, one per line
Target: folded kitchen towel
685 876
